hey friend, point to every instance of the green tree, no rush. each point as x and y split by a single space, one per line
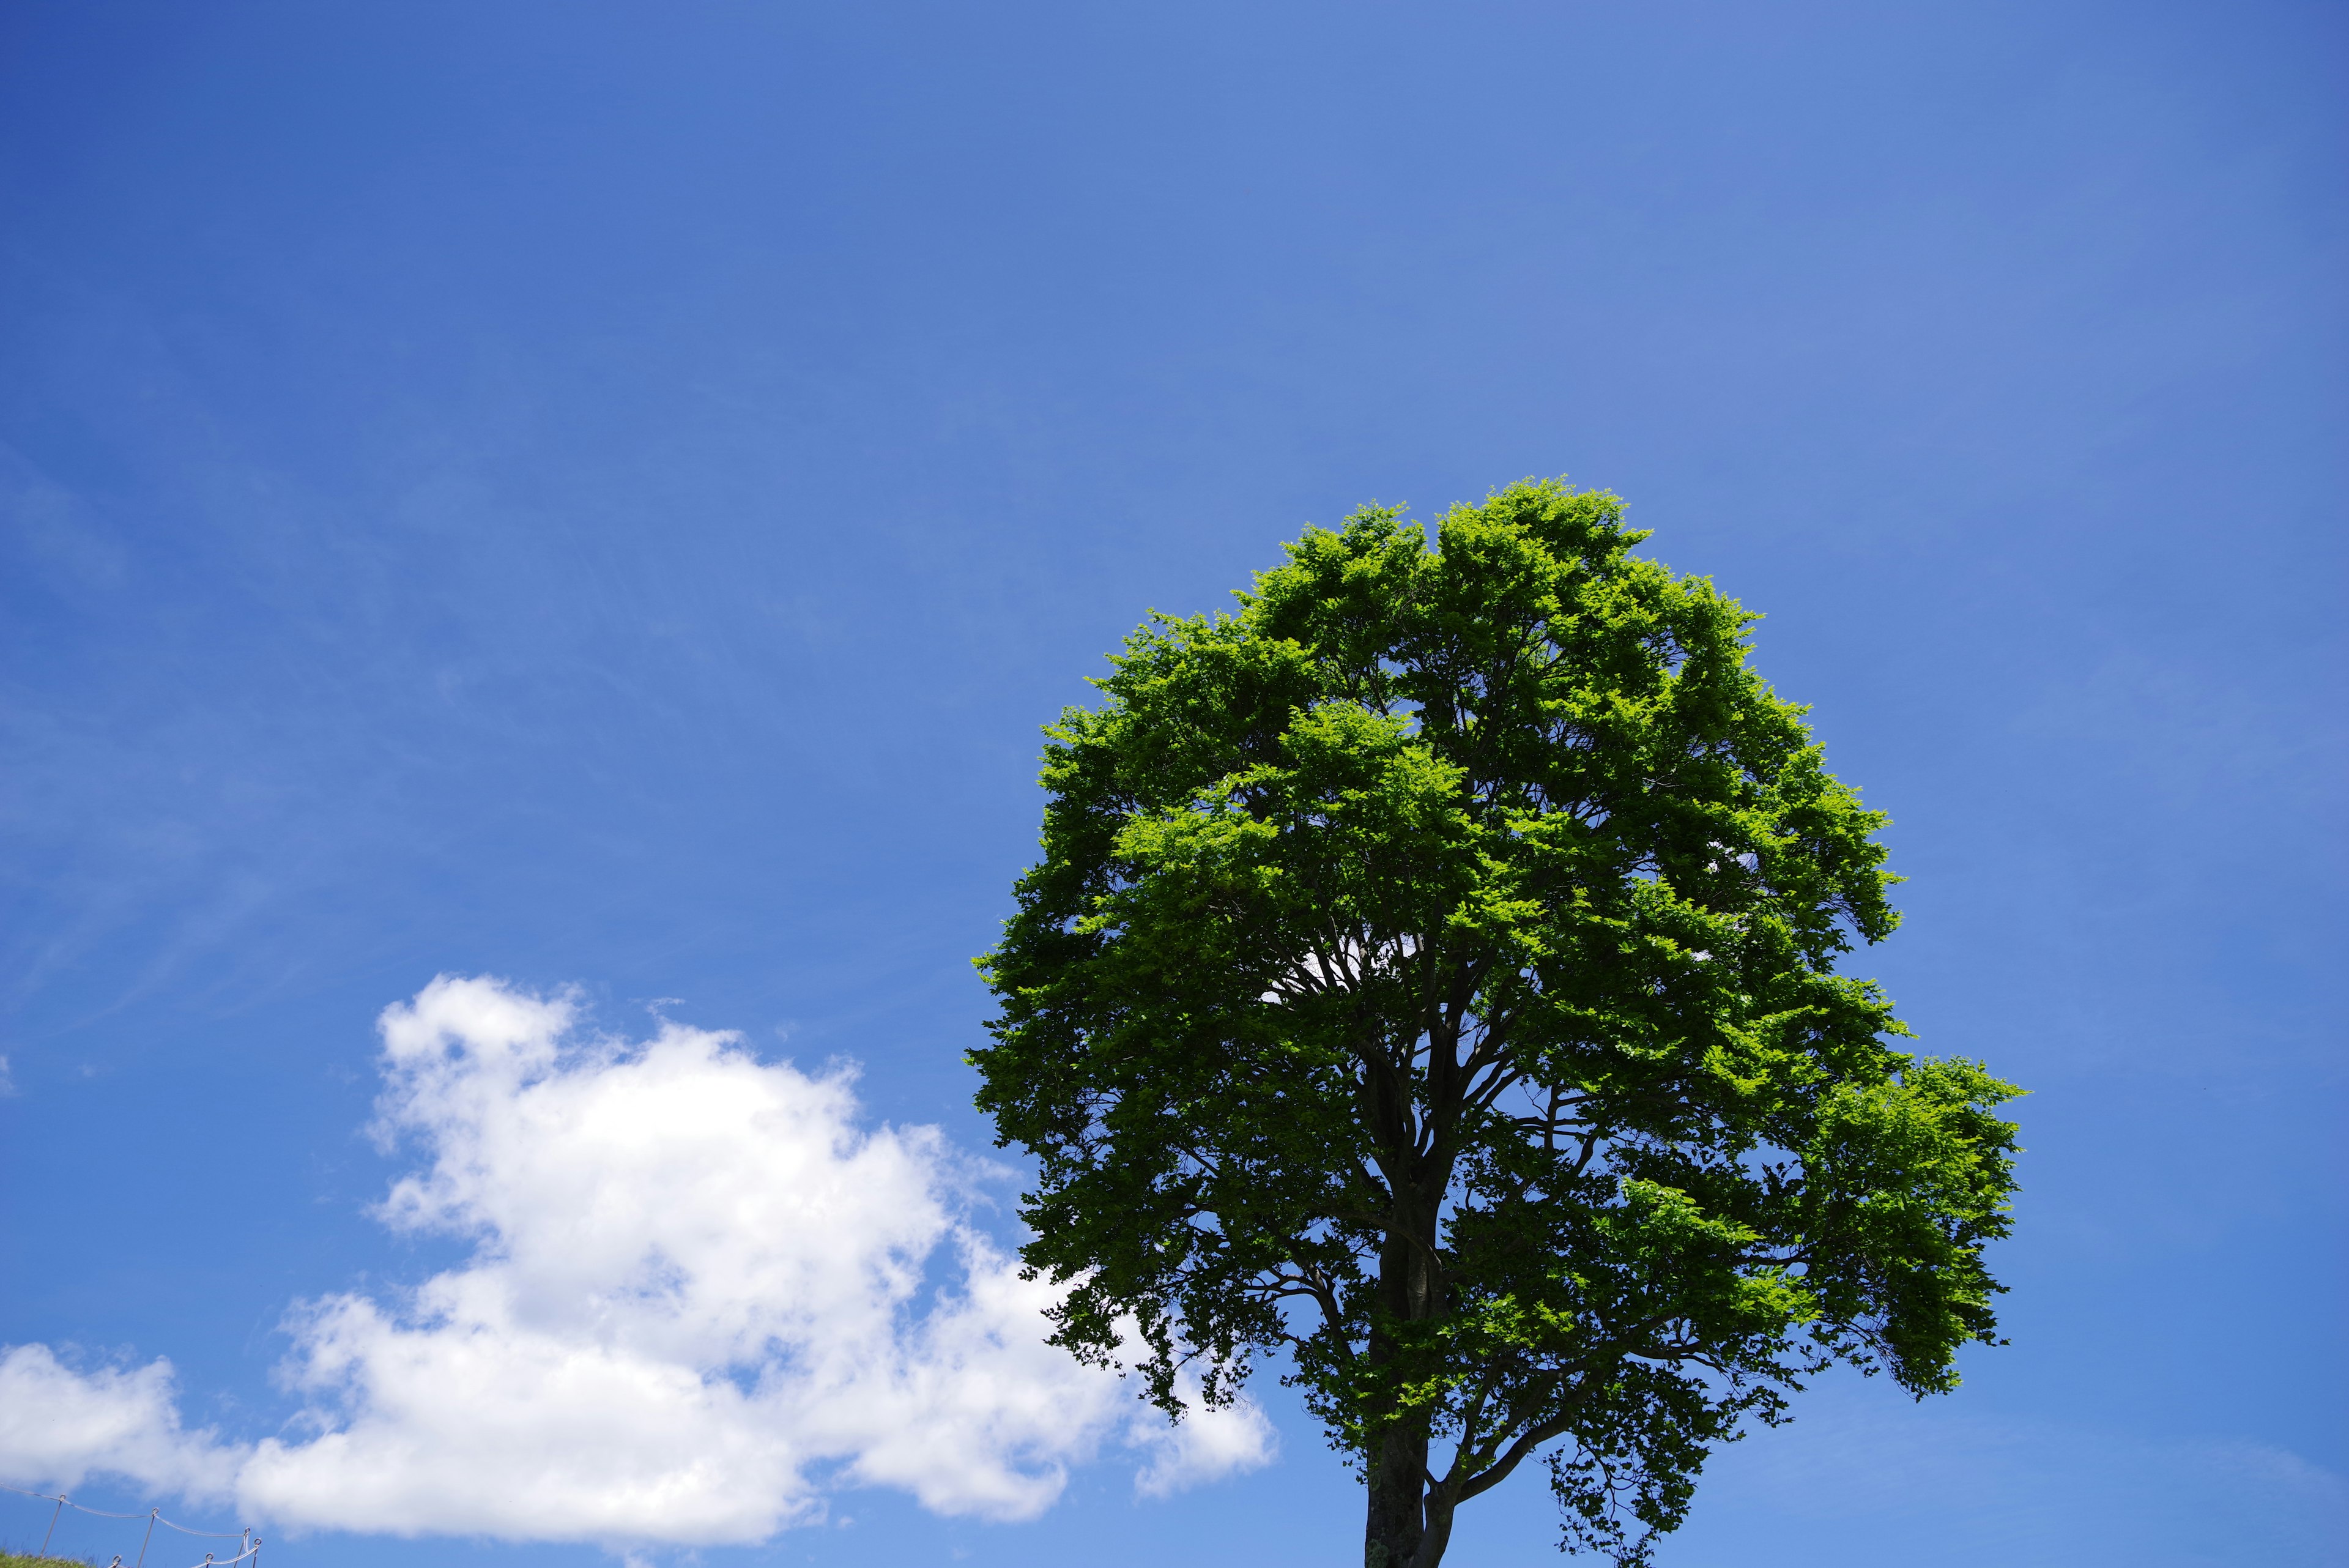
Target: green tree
1431 971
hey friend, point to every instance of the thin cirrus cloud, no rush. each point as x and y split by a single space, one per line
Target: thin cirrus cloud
701 1294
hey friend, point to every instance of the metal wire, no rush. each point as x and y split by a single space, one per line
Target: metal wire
207 1534
209 1562
154 1516
85 1508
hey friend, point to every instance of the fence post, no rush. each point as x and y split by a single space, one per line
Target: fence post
52 1530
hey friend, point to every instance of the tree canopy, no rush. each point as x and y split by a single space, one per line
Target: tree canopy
1431 973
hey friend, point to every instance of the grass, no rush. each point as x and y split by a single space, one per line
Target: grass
9 1559
28 1560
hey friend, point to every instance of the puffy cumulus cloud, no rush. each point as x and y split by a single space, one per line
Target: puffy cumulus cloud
57 1425
701 1292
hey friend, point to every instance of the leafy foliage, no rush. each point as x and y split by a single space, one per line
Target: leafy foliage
1431 971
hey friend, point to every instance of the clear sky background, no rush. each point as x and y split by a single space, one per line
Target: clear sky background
602 496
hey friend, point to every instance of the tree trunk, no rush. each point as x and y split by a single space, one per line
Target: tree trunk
1438 1533
1396 1530
1402 1530
1410 1524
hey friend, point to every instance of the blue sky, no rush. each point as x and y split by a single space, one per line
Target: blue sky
602 497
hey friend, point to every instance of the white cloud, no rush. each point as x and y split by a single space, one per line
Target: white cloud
701 1292
7 1084
57 1425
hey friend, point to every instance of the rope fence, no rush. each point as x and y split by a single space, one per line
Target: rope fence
248 1544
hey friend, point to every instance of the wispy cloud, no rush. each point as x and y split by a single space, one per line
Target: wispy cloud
701 1292
1954 1485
